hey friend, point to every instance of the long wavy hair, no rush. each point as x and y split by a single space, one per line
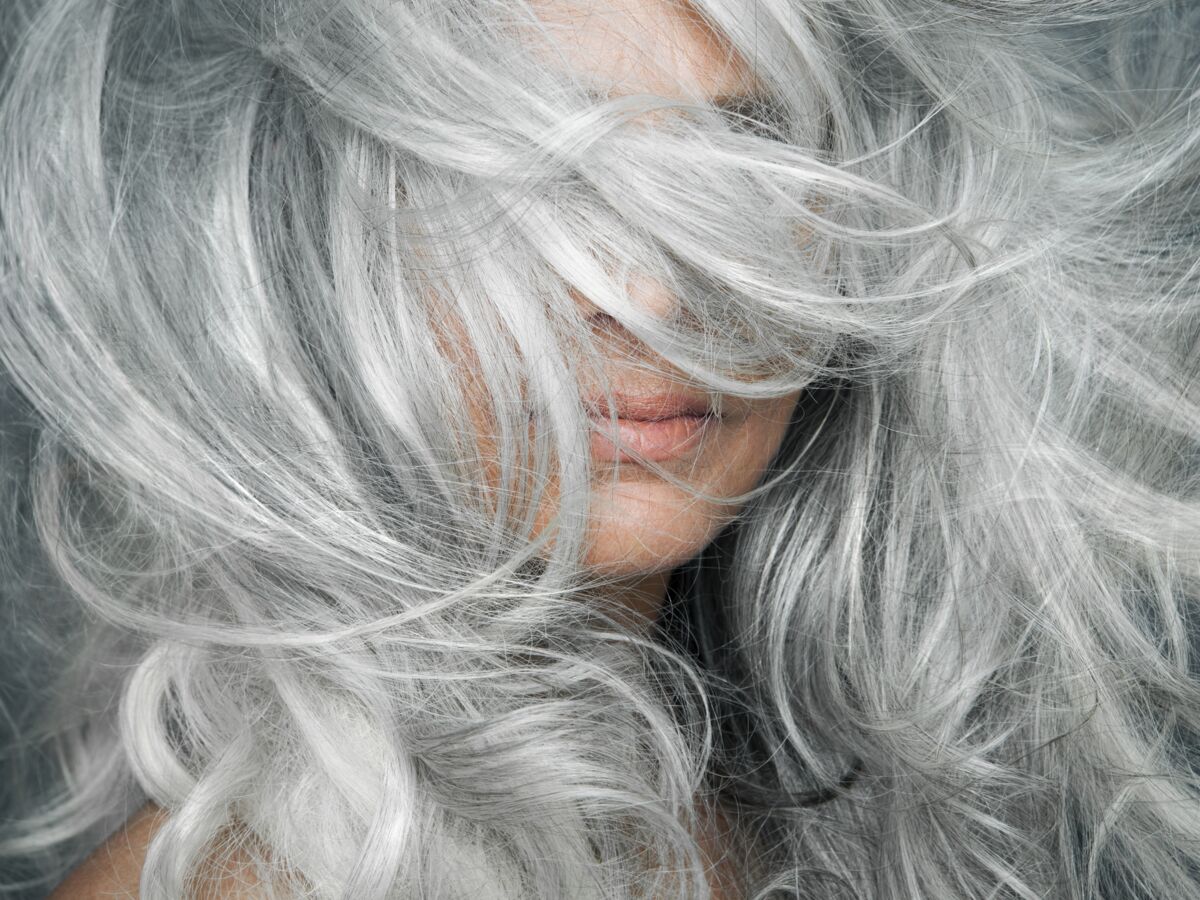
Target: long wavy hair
947 649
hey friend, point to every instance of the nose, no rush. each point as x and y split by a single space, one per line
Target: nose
648 294
652 295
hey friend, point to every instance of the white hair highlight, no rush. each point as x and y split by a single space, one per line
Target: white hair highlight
256 572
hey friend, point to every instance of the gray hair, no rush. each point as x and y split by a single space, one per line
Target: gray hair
944 651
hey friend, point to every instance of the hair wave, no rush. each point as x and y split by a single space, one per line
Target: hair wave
946 650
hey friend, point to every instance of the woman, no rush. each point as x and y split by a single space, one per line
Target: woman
619 448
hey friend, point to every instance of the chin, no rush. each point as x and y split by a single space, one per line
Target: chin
638 529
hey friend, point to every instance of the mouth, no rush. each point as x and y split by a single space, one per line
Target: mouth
654 427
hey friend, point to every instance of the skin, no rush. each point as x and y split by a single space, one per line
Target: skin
643 527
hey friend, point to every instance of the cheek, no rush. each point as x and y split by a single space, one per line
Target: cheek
756 442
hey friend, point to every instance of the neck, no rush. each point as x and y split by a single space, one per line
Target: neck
637 602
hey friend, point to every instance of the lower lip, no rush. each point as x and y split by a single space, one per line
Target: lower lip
656 440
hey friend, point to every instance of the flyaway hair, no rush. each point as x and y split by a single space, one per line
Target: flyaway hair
264 569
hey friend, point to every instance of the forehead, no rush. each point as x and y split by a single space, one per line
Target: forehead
660 47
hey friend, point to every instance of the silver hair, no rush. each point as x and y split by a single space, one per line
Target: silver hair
945 650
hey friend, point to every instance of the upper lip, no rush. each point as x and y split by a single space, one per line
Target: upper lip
650 407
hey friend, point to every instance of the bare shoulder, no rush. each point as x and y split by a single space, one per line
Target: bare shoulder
113 871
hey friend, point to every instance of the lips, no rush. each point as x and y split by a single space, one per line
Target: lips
657 427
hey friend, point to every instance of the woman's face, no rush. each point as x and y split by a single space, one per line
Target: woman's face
643 526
